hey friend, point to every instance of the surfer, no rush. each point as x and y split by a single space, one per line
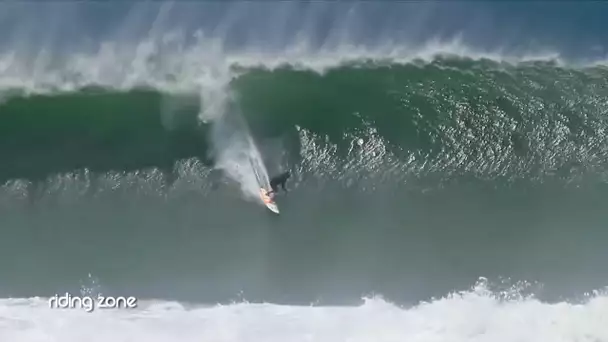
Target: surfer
278 180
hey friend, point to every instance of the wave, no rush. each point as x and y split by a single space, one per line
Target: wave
486 119
443 170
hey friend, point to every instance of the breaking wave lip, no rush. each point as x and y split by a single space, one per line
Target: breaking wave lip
169 65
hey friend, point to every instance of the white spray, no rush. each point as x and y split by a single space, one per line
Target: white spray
234 150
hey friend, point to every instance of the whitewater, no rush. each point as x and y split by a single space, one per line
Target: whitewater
468 316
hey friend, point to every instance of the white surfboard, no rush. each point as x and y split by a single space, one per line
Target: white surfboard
270 204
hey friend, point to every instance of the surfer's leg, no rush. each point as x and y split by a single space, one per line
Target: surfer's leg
274 187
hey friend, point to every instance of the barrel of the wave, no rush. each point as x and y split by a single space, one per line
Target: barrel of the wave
268 201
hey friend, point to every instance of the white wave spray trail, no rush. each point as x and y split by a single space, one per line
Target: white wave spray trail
235 151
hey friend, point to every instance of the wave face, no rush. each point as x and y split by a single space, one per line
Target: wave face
482 119
444 162
441 163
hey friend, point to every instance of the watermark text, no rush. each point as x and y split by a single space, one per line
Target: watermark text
89 303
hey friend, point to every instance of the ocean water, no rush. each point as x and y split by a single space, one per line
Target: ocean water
449 161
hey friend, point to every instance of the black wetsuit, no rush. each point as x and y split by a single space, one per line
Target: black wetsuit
279 180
